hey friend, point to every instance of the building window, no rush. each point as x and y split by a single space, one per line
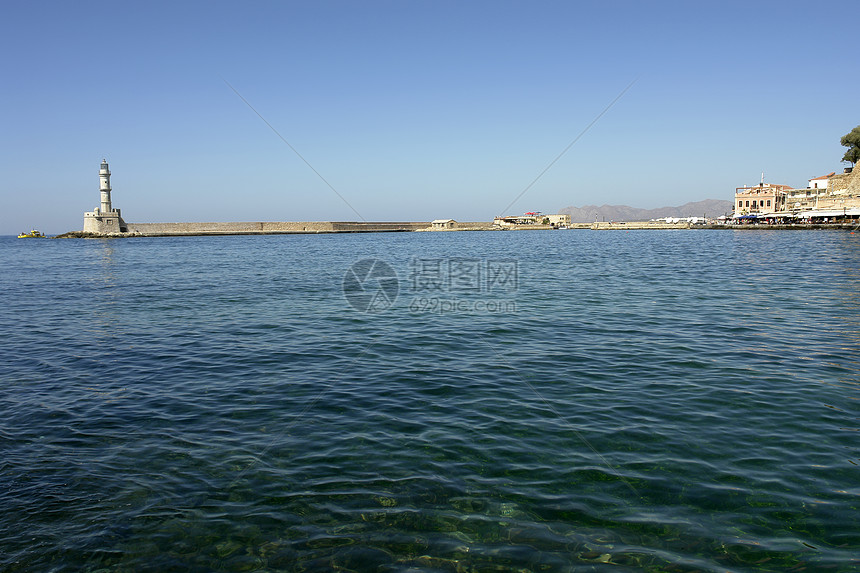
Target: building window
748 203
740 203
753 204
768 202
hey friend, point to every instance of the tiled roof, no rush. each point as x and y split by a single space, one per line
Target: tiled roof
828 176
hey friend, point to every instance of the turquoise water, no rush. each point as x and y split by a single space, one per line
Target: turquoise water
623 401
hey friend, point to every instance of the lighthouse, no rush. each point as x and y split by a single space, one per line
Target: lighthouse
104 187
104 219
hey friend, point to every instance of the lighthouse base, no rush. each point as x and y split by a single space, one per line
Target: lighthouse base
104 223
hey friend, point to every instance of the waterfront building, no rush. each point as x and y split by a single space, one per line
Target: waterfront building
104 218
532 218
763 198
559 220
443 224
816 191
820 182
514 220
797 199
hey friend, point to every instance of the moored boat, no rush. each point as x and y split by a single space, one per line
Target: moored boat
34 234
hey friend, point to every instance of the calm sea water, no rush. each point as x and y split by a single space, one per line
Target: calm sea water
531 401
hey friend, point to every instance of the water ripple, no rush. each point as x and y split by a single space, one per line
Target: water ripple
678 401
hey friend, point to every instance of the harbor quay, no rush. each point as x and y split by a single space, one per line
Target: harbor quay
829 202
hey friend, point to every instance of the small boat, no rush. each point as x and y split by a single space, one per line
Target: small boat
34 234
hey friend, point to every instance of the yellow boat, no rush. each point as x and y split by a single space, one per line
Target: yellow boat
34 234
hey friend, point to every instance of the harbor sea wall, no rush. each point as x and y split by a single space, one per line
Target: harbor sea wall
602 226
264 228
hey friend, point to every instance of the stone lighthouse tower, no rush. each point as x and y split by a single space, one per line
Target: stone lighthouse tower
104 187
104 219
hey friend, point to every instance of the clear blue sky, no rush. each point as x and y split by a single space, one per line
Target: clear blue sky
412 110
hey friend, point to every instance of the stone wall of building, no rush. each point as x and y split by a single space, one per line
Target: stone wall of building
104 223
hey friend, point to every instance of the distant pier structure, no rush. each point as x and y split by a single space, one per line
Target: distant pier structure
104 218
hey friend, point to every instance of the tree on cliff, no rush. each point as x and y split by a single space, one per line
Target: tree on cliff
852 142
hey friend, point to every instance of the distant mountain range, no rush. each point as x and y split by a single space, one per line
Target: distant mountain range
591 213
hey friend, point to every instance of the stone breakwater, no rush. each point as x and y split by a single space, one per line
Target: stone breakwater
272 228
254 228
157 229
283 228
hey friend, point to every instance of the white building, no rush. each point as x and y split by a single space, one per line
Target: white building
559 219
820 182
443 224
